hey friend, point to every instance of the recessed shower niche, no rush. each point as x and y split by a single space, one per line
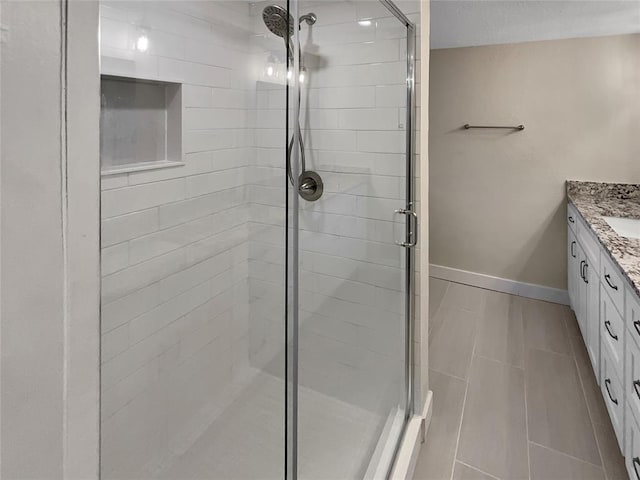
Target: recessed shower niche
140 124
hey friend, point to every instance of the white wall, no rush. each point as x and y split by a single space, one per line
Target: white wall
31 238
49 247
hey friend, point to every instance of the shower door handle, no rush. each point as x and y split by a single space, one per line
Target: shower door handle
411 236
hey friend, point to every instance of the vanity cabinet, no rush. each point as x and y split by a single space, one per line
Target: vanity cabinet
608 313
603 285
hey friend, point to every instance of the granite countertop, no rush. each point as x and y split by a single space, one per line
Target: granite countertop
595 200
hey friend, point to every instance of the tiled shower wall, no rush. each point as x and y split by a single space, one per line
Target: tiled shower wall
174 240
193 256
352 317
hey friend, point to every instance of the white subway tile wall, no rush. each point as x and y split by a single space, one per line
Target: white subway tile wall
193 288
352 272
175 254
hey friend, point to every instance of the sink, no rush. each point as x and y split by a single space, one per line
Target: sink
625 227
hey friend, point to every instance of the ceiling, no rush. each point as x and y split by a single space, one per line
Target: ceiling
465 23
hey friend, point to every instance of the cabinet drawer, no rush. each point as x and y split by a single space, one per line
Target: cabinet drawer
632 315
632 377
612 282
611 331
613 395
572 217
632 447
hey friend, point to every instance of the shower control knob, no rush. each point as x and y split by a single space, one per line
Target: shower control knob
310 186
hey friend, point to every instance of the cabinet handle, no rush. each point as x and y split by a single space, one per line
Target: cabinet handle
573 244
582 262
636 462
584 276
636 324
607 277
607 382
636 384
571 219
607 325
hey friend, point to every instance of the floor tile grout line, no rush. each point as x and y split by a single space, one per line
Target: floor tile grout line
455 452
475 468
482 288
526 402
606 475
442 301
572 457
466 393
593 427
546 350
438 309
507 364
449 375
469 310
584 396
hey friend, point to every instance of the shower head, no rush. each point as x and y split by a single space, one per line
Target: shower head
275 18
309 18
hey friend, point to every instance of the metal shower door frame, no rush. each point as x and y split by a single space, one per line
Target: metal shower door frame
292 242
412 236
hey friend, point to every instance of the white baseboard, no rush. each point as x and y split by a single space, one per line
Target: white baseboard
414 436
529 290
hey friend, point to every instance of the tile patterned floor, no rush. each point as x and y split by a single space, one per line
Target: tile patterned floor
514 393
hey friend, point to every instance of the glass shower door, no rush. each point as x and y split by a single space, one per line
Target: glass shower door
350 241
254 291
193 243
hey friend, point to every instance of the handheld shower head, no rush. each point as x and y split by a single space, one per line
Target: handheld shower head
281 24
275 18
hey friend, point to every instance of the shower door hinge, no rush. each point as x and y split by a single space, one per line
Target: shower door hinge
411 230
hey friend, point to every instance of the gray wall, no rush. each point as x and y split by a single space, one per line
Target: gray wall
49 270
497 199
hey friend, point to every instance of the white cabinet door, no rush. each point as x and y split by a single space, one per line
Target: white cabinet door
592 315
573 275
613 394
581 293
632 446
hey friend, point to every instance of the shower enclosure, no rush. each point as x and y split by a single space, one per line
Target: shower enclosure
258 225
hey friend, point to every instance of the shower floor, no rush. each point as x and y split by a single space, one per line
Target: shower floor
246 440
